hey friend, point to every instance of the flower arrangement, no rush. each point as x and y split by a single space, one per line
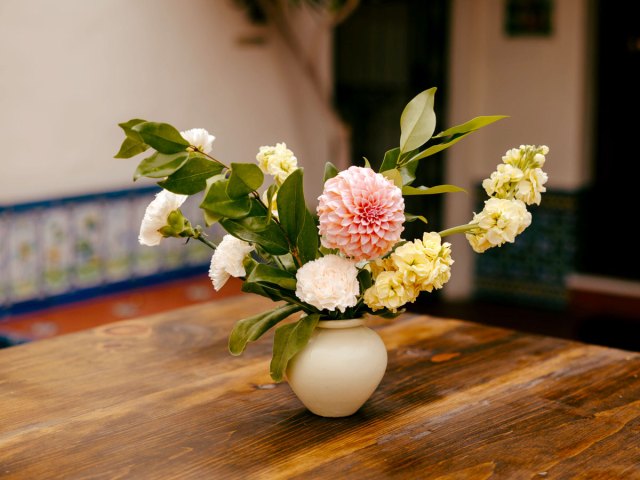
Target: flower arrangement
349 259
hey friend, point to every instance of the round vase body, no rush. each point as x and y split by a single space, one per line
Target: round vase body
339 368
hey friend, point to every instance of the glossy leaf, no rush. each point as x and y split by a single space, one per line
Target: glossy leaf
330 171
271 238
160 165
245 178
307 239
131 148
192 177
409 217
271 191
265 274
418 121
252 328
471 126
390 160
218 202
161 136
364 279
432 150
395 176
289 340
407 190
291 206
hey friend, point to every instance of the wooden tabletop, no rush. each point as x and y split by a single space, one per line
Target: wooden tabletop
160 398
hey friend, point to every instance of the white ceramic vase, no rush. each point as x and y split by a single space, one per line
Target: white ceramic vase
339 369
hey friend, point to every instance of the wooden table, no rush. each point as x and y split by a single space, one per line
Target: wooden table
160 398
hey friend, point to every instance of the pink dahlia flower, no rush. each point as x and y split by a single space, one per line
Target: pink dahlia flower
361 213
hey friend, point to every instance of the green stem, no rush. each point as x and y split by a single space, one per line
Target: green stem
459 229
200 236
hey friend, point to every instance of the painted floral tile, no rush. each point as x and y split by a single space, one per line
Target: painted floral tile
4 259
120 239
88 243
24 268
57 250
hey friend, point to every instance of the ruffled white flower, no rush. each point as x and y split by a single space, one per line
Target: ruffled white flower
500 221
328 283
277 161
155 217
199 138
227 260
520 175
501 181
529 188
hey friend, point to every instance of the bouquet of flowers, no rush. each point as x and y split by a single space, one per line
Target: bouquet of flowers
349 258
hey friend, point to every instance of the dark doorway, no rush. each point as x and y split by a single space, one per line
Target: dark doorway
387 52
611 207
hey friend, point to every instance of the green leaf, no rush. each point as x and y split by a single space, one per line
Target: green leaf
471 125
307 240
395 176
408 172
390 160
296 221
271 238
271 191
161 136
133 143
367 164
192 177
210 217
252 328
160 165
330 171
265 274
245 178
409 217
270 292
131 148
289 340
364 279
418 121
407 190
217 202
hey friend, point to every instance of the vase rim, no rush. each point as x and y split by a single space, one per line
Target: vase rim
348 323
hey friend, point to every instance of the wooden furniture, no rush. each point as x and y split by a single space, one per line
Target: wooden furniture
160 397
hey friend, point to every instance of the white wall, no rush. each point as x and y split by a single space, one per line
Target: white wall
539 81
70 70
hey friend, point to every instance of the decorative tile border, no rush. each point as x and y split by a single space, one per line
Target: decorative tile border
67 249
534 270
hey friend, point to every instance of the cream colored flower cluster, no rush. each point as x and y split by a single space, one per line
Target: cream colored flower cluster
519 180
277 161
520 175
414 267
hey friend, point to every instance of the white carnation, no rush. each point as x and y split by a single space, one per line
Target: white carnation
199 138
227 260
277 161
500 221
328 283
155 217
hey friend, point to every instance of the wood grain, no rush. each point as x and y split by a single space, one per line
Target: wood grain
160 397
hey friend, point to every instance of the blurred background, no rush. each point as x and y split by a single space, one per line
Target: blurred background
329 78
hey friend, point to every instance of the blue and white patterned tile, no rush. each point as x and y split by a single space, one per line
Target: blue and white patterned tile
57 251
4 259
88 243
24 266
119 239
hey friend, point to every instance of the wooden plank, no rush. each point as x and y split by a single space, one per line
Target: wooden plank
160 397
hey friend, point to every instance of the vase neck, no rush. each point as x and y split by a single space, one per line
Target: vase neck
336 324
